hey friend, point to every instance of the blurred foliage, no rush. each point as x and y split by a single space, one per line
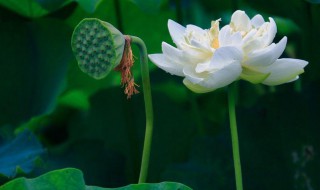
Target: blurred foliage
16 158
313 1
72 179
39 8
34 62
89 124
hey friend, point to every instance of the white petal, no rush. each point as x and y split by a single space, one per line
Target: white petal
192 76
216 79
228 39
253 76
249 36
252 45
175 55
240 21
162 62
196 53
198 37
224 35
272 30
224 56
257 21
284 70
195 87
176 31
266 56
221 58
201 67
201 45
197 30
296 78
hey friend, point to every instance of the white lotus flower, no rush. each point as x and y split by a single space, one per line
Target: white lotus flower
260 63
213 58
199 57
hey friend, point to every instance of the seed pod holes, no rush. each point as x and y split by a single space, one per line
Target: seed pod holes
102 42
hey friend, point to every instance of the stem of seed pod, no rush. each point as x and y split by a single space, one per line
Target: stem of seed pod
148 107
234 135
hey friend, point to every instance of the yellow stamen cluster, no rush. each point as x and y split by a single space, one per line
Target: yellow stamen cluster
214 32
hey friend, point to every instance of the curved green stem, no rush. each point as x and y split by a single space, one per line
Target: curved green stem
148 107
234 135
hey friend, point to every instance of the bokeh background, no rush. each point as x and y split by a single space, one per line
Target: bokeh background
89 124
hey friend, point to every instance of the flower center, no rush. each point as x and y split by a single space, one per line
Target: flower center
215 43
214 34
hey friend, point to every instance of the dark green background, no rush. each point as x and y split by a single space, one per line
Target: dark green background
90 125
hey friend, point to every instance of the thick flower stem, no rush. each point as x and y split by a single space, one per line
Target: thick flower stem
148 107
234 135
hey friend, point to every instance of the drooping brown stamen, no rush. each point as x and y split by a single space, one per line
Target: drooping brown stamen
127 79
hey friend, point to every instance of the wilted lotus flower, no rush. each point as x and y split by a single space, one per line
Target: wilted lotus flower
260 62
199 57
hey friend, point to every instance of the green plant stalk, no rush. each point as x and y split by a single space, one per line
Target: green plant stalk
234 135
148 107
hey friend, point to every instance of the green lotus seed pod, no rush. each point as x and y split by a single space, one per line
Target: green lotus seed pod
97 46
